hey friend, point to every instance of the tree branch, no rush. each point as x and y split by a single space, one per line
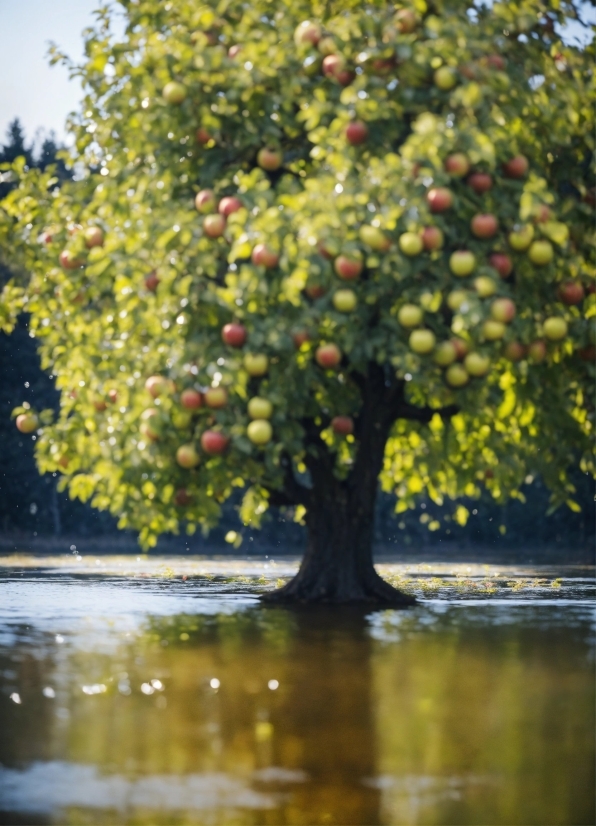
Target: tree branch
408 411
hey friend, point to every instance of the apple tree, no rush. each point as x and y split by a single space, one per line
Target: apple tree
310 249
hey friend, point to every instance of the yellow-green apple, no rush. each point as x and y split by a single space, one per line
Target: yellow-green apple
233 334
264 256
214 225
410 315
521 237
270 158
439 199
514 351
182 498
445 78
342 425
432 238
327 45
555 328
516 167
345 301
187 456
501 263
541 253
493 330
457 376
151 281
181 419
410 243
456 298
205 201
356 132
259 432
307 33
27 422
174 93
348 266
485 286
68 261
151 424
480 182
422 342
537 351
216 397
93 237
374 238
484 226
191 399
214 442
259 408
476 364
571 292
444 354
457 165
158 385
462 263
503 309
461 348
256 364
328 355
229 205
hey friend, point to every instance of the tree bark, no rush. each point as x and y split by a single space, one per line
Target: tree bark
338 564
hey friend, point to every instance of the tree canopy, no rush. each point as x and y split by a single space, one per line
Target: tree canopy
289 203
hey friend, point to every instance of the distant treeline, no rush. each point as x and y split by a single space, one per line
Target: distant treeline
31 505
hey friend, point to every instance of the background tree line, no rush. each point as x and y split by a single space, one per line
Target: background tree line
31 506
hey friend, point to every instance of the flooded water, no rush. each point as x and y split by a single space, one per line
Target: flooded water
159 691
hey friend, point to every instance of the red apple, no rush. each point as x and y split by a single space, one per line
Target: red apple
264 256
571 292
496 61
205 201
356 132
516 167
151 281
461 348
514 351
484 226
150 427
328 355
202 135
406 21
588 353
342 425
541 214
158 385
432 238
228 205
502 264
234 51
439 199
93 237
308 32
457 165
216 397
191 399
333 64
299 338
345 76
214 225
113 395
234 334
270 158
68 261
182 498
480 182
27 422
348 266
315 291
100 405
214 442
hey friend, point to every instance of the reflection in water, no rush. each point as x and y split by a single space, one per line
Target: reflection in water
153 704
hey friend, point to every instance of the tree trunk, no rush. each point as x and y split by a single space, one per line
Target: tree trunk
338 564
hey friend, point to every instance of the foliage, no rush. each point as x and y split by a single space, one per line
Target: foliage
103 328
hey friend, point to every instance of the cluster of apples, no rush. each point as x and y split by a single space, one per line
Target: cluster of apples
216 211
93 237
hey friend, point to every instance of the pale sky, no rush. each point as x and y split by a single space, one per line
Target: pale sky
42 96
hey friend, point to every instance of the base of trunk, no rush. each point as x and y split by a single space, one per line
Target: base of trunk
327 588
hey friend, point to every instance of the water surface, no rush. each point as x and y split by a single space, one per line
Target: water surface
159 691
